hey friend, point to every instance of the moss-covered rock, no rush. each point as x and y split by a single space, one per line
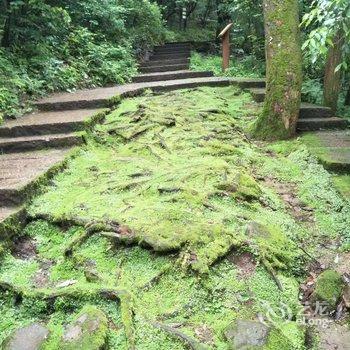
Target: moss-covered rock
254 335
329 287
271 245
30 338
245 334
87 332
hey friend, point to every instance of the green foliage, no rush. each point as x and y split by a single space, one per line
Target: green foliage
247 66
65 45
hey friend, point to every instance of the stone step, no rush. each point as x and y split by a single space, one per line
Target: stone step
44 123
163 76
165 62
168 56
176 44
28 143
20 173
165 68
258 94
307 110
6 212
165 50
315 124
310 110
249 83
192 83
103 96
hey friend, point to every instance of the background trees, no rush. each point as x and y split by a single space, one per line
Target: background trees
49 45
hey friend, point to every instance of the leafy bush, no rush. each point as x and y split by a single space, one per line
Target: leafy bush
247 66
64 45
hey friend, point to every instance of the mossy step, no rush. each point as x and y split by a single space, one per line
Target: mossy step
314 124
249 83
102 97
6 212
20 173
43 123
163 76
37 142
165 62
332 148
165 68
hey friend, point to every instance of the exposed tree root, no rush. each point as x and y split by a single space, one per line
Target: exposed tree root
271 271
127 316
154 280
189 341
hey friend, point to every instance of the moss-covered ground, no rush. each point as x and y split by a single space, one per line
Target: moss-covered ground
211 227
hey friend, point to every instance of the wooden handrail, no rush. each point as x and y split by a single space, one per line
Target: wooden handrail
225 37
225 30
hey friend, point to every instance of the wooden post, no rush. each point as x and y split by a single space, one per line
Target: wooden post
225 37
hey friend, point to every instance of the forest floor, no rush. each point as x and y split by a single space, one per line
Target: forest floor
171 229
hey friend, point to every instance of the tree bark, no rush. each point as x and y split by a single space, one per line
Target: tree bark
332 79
347 98
6 37
280 113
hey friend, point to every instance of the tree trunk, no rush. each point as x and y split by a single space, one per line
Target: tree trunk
332 79
6 37
283 71
347 98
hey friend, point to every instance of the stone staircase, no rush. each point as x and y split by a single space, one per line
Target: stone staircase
312 117
35 147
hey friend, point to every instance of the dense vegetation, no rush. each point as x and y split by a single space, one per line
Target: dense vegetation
214 230
172 227
64 45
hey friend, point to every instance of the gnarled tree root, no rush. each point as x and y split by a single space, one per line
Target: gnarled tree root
189 341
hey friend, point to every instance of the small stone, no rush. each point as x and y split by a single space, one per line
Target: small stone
27 338
87 332
65 284
346 296
247 334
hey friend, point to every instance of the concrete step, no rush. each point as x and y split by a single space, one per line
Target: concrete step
249 83
44 123
315 124
181 74
165 50
165 62
258 94
7 211
190 83
165 68
178 44
20 173
309 110
168 56
103 96
29 143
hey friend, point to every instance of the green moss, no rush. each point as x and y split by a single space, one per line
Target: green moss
286 336
342 183
329 286
94 325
